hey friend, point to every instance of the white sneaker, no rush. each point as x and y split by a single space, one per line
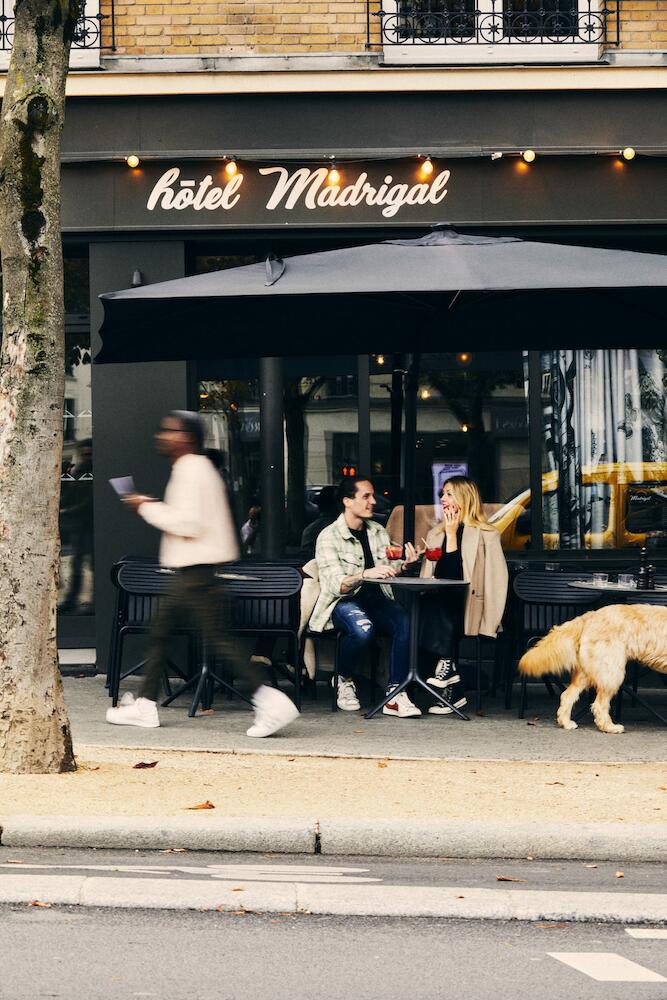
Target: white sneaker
445 675
273 711
141 712
347 699
401 706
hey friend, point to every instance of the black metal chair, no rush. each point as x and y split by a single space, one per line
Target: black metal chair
637 671
543 600
139 585
267 603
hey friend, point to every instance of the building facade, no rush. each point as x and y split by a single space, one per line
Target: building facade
208 135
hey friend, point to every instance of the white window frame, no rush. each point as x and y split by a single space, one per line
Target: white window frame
449 52
80 58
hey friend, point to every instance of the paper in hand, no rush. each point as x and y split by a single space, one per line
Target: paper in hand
123 485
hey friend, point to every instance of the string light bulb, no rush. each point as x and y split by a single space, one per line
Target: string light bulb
465 428
528 155
380 359
132 161
333 176
464 357
427 167
231 167
628 153
425 394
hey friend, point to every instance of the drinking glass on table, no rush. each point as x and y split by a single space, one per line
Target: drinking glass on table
433 554
394 552
600 579
627 580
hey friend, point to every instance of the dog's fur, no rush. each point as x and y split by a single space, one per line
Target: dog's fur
596 648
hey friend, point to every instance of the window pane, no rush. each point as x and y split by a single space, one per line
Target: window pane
604 419
472 421
75 593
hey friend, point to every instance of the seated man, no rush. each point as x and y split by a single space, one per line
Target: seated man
350 552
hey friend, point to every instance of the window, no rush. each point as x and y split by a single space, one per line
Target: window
500 31
85 51
604 452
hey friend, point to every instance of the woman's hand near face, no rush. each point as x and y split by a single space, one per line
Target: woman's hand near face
451 520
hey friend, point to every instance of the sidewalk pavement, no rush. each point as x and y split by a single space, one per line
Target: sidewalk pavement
338 784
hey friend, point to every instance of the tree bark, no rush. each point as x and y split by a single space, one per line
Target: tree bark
34 728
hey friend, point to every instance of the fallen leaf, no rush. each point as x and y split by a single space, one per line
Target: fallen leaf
173 850
460 897
38 902
551 927
143 764
15 862
290 760
554 783
619 874
357 730
509 878
529 857
662 788
238 888
381 763
590 866
202 805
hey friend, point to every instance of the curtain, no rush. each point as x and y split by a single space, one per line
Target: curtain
597 407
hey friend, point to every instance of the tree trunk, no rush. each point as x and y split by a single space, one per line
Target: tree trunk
34 729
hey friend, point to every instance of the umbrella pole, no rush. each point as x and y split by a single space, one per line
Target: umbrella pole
396 426
410 453
272 457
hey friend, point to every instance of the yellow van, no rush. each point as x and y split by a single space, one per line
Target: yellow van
634 499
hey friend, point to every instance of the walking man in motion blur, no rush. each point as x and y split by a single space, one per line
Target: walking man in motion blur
198 534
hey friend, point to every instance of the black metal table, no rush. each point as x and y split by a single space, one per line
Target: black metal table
414 587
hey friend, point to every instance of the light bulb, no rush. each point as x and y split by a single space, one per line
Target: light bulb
333 176
380 359
132 160
464 357
528 155
628 153
465 428
425 393
231 169
427 167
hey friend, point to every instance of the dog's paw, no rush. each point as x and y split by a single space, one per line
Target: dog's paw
567 724
612 728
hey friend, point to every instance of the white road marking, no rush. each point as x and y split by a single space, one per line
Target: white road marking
322 874
607 967
647 933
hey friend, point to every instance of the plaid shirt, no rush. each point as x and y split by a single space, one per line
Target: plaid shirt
339 554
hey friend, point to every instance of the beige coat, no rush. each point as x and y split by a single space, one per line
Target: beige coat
485 569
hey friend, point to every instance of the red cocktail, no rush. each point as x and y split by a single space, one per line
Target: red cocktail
394 552
433 555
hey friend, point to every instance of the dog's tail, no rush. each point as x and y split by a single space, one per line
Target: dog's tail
556 653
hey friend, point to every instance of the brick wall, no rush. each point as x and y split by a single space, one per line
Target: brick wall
247 27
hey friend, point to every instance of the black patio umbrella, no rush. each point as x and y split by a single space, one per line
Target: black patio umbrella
445 290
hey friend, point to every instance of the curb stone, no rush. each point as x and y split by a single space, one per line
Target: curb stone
641 842
460 903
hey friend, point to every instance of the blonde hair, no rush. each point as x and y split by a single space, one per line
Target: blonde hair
466 495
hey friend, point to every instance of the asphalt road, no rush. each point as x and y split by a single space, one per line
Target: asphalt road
530 874
87 954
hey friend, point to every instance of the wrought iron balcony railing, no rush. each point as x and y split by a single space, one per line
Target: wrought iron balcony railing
94 30
490 22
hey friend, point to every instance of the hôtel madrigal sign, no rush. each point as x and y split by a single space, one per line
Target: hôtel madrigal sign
200 194
297 190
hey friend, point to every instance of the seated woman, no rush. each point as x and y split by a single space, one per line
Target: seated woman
471 551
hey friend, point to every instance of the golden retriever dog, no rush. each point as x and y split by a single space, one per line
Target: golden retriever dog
596 648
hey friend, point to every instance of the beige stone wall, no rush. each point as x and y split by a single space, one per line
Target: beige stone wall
253 27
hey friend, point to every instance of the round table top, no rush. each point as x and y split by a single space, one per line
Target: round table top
614 588
419 582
